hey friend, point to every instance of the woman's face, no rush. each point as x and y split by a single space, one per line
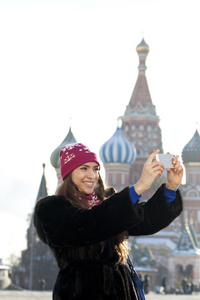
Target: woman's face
85 177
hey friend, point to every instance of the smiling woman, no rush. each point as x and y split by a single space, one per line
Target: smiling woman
81 179
52 59
86 226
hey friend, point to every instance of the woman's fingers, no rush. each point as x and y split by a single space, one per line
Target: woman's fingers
151 157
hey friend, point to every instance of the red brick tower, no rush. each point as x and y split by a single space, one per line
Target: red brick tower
140 122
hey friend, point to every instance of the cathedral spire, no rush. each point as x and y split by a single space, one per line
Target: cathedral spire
140 123
187 242
42 192
140 102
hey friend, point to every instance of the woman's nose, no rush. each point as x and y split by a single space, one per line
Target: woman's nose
91 173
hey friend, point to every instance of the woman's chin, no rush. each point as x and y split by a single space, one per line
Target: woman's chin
87 191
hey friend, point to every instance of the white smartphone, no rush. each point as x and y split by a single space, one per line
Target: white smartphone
165 159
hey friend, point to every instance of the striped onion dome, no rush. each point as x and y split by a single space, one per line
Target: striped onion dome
191 151
118 149
55 158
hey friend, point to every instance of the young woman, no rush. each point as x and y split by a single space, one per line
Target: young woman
86 226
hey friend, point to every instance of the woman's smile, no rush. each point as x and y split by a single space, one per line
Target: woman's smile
85 177
89 183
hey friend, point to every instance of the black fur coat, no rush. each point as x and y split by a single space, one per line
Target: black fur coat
75 236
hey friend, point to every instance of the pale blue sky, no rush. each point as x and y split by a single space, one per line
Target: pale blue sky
77 59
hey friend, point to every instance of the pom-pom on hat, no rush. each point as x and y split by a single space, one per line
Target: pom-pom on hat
73 156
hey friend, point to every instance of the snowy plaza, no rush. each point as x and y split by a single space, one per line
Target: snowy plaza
31 295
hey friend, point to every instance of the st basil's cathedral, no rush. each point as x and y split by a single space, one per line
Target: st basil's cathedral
173 253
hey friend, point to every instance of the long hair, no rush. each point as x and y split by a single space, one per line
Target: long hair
78 199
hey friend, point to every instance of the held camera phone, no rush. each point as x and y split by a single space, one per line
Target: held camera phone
165 159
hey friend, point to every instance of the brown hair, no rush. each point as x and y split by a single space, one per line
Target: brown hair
70 191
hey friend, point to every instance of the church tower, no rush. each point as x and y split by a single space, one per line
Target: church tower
184 261
191 190
42 192
140 122
37 261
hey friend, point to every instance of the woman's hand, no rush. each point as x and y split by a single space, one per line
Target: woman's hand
174 175
150 171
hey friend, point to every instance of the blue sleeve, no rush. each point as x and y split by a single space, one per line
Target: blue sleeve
170 195
133 195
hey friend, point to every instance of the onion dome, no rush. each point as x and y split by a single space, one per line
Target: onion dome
142 50
118 149
142 47
191 152
55 158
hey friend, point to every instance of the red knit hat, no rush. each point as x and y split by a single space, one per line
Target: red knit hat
73 156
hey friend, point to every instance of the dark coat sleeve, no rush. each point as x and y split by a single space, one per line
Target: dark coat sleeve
60 224
158 214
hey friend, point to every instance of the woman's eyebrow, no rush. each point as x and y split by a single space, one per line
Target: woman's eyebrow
90 166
